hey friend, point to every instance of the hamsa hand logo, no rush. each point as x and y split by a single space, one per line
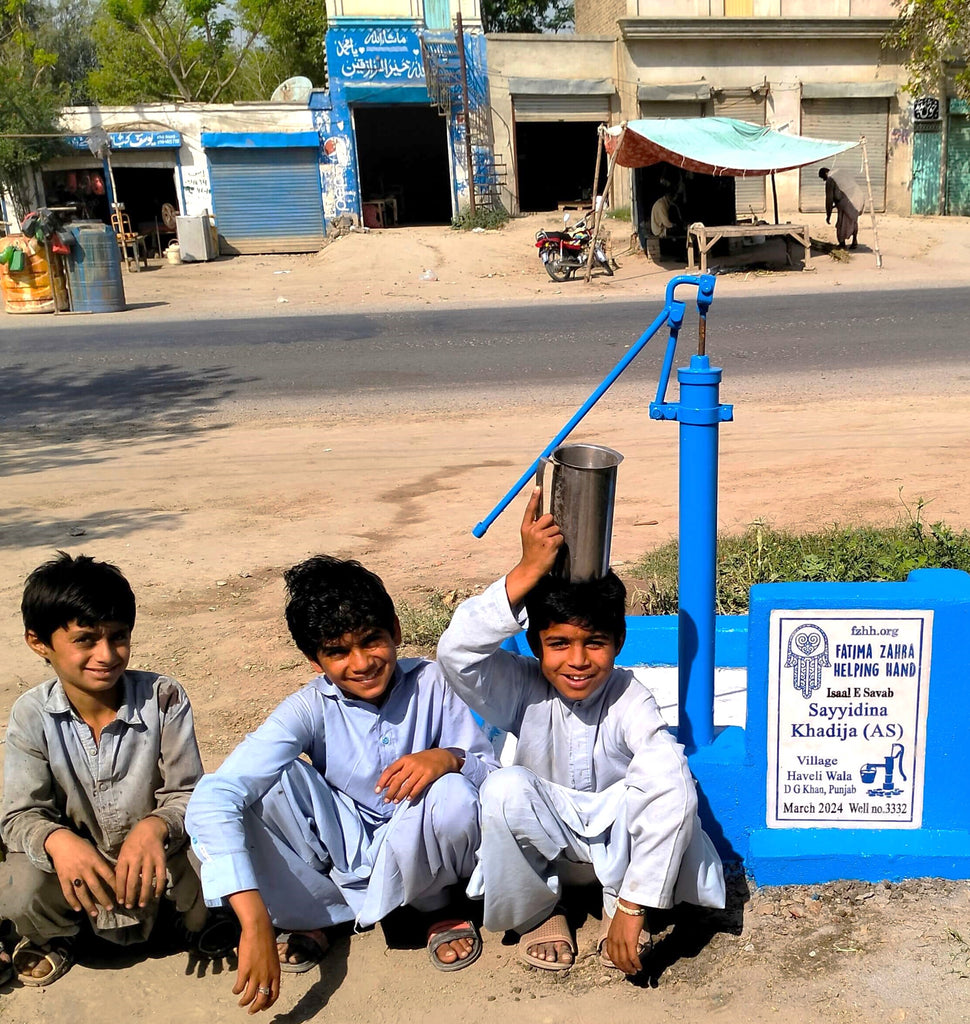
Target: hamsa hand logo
808 654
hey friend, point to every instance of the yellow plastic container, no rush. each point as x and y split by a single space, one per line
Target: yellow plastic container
38 288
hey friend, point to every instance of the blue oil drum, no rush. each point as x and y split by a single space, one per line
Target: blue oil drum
94 268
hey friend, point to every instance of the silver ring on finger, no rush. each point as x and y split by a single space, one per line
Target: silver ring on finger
264 991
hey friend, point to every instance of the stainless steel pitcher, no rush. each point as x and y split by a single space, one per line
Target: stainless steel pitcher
580 497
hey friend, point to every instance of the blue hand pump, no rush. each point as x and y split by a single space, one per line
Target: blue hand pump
699 413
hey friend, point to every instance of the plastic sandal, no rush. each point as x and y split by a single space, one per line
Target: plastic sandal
447 931
555 928
643 946
302 944
218 938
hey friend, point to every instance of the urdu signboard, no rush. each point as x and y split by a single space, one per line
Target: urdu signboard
847 702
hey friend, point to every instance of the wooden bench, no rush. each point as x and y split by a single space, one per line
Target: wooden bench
707 235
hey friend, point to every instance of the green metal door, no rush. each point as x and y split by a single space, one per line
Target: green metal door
437 13
926 167
958 161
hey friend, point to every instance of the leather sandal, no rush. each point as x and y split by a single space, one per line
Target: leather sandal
58 953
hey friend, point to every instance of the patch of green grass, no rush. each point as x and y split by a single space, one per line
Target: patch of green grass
481 218
839 554
961 955
422 624
621 213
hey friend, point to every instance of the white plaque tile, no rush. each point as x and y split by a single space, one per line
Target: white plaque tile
847 694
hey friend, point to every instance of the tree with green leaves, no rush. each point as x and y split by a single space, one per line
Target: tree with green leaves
30 101
29 126
526 15
65 33
204 50
934 37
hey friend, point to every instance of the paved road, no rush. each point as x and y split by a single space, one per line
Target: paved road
867 335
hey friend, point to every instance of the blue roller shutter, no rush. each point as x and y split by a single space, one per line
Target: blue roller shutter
266 199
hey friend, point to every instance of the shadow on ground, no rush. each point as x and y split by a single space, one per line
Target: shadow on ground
60 416
21 528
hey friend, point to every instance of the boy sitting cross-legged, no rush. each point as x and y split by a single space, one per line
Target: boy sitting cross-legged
384 812
98 769
600 790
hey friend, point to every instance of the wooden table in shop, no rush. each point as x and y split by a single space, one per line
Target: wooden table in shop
707 235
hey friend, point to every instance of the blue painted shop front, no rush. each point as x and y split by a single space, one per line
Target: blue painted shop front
385 150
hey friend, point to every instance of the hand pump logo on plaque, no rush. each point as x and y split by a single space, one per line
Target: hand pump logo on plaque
847 696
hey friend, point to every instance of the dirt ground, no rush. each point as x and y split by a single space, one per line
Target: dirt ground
202 509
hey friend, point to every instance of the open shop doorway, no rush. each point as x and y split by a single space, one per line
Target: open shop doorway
695 197
554 163
402 158
150 199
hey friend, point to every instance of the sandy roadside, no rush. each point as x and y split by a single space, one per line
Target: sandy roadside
382 271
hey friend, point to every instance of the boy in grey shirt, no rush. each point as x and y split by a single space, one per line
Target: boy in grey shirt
98 769
600 790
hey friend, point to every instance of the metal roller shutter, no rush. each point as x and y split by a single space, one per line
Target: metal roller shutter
562 108
749 193
845 120
672 108
267 200
958 166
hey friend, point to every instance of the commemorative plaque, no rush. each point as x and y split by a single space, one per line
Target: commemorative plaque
847 697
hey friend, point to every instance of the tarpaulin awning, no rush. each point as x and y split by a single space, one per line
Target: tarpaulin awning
716 145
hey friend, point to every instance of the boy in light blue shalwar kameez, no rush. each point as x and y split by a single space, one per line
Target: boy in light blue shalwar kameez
386 812
599 789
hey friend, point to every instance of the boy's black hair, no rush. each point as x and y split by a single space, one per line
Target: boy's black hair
598 605
75 589
327 597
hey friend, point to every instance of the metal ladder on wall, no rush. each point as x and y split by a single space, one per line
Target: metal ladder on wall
442 69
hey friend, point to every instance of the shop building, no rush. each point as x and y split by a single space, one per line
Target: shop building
402 116
549 95
812 68
254 167
389 142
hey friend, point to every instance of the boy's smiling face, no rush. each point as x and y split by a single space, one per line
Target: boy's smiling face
361 663
576 660
88 660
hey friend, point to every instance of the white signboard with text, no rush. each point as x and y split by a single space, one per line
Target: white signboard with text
847 696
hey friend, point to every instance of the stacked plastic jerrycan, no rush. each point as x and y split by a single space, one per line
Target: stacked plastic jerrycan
32 279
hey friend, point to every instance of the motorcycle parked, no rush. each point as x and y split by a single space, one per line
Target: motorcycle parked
564 252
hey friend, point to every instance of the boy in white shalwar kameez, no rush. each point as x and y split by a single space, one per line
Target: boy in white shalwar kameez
597 781
383 812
